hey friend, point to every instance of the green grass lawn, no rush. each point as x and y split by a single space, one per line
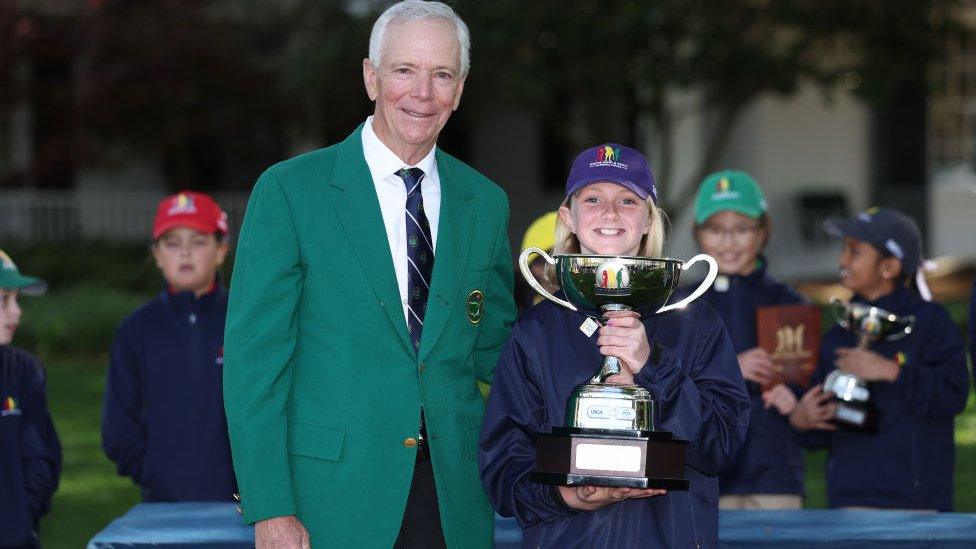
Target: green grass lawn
91 494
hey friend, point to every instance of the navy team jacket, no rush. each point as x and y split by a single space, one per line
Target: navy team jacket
771 460
908 463
163 421
30 453
701 398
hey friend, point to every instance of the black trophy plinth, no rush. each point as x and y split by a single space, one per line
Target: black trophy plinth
574 456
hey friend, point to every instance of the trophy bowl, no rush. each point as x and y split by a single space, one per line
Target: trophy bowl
609 437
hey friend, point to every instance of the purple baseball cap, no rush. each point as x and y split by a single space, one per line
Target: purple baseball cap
615 163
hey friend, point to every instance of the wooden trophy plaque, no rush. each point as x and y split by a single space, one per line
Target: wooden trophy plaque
791 336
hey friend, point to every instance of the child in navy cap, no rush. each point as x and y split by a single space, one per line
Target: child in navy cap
163 423
30 453
610 209
918 383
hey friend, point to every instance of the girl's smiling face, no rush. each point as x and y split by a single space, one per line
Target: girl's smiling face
734 240
607 218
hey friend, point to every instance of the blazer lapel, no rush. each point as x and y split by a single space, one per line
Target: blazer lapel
453 243
358 210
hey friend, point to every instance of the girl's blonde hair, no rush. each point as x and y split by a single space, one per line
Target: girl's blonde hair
652 243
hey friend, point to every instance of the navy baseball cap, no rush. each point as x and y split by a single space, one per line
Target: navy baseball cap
890 231
615 163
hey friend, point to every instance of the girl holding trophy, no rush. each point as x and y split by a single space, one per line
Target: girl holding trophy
731 225
684 358
917 383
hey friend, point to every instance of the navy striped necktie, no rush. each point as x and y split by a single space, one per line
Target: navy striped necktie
420 254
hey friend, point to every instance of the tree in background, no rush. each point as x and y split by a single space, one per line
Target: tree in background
214 91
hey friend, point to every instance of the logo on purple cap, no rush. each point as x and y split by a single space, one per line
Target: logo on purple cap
608 156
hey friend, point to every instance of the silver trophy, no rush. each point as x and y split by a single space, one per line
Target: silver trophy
869 324
609 437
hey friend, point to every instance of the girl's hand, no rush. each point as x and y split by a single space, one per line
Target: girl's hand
623 336
756 365
591 498
814 411
780 397
867 365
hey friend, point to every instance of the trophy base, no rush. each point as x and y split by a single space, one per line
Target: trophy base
575 456
861 417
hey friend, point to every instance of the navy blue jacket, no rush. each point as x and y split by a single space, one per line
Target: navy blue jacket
163 422
771 460
908 463
701 398
30 453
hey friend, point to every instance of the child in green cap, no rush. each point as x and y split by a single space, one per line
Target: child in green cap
30 453
731 225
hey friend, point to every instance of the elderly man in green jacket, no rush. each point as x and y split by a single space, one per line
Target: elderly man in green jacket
372 289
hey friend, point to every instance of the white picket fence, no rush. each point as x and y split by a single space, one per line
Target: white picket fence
37 216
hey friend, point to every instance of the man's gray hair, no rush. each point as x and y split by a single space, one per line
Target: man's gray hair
416 10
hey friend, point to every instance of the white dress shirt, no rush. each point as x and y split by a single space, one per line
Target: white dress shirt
383 165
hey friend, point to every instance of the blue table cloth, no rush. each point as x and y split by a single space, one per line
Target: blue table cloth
185 525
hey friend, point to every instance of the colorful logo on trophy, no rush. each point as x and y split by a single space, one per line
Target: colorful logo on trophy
475 306
871 326
612 278
9 407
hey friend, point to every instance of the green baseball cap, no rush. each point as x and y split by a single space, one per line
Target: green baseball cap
11 279
729 190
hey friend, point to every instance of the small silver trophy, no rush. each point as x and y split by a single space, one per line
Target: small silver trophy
609 437
869 324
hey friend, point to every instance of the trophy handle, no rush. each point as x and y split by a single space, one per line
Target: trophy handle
702 288
906 325
523 262
839 310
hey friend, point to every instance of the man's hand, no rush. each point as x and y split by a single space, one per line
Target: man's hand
867 365
591 498
780 397
623 336
814 411
756 365
281 533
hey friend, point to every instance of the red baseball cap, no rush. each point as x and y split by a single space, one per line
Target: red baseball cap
192 210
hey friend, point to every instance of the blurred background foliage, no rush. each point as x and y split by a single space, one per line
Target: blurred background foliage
215 91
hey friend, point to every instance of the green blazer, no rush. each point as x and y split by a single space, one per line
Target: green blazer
321 384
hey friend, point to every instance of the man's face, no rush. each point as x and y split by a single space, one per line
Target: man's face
416 87
9 315
189 259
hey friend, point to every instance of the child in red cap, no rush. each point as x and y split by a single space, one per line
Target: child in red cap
163 423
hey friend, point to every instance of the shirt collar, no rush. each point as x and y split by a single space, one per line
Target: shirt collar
383 162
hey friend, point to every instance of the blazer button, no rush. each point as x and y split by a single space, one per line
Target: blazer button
422 367
409 442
